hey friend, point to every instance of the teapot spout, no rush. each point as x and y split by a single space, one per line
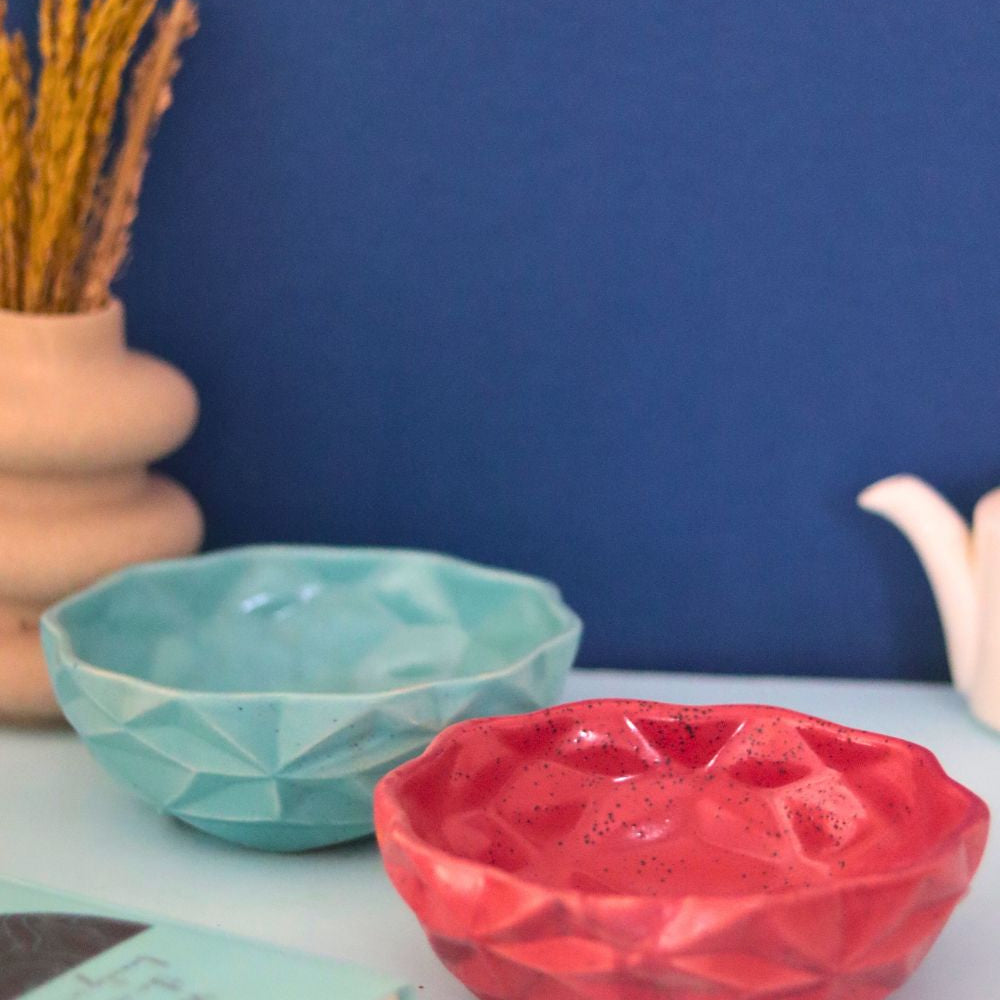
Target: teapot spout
943 542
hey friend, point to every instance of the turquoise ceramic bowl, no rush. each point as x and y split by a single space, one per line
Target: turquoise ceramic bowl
260 693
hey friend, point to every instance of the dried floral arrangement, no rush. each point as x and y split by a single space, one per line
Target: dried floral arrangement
67 198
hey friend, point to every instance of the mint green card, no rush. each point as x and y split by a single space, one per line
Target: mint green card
57 947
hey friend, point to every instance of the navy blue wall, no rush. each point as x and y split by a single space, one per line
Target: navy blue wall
635 295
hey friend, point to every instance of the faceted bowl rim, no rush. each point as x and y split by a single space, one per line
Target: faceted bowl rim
52 624
392 822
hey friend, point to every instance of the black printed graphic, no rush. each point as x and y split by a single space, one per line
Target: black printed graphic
37 947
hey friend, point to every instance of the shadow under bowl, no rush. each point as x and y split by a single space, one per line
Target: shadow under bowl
259 693
637 850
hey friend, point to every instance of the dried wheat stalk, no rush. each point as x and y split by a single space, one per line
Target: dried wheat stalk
67 201
15 106
118 203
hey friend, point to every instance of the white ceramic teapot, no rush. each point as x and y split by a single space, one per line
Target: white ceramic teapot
964 570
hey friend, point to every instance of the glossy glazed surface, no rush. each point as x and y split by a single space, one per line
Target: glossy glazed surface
259 693
614 849
304 619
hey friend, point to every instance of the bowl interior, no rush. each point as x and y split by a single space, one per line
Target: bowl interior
648 799
311 620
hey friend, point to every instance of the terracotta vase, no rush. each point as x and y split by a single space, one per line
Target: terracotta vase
81 417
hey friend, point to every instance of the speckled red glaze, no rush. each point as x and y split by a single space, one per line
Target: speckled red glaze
629 850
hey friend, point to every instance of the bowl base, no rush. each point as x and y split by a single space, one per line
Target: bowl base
278 836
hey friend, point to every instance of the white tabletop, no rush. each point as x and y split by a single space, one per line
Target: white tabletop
67 825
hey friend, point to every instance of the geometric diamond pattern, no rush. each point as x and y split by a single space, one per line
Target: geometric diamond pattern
618 850
291 765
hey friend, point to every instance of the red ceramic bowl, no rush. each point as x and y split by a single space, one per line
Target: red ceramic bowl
628 850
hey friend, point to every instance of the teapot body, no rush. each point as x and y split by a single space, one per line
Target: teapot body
983 690
963 567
